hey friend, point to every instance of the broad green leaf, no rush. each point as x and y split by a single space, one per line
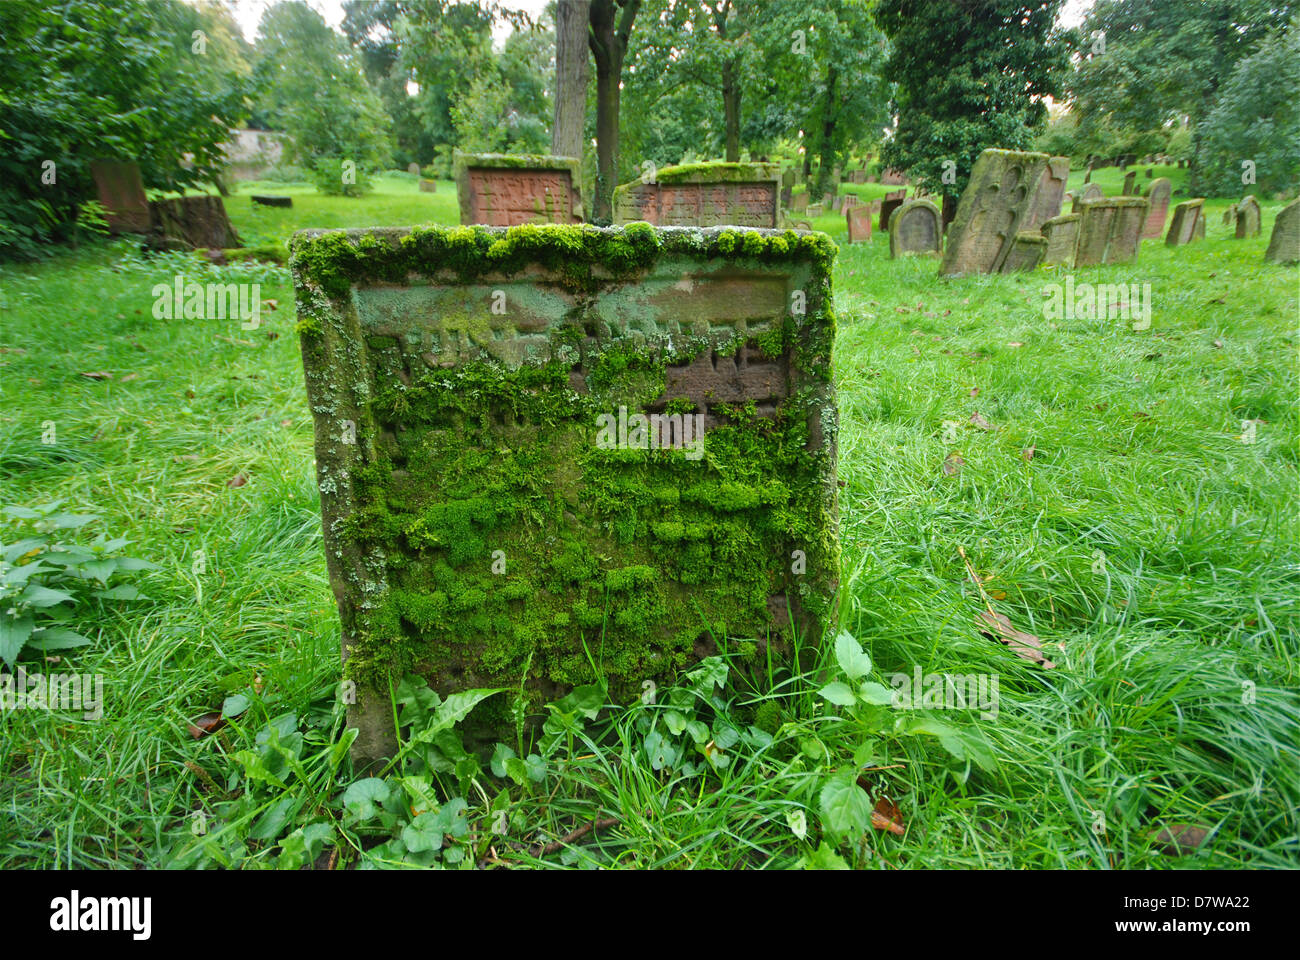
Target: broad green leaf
13 634
361 798
846 808
586 700
824 858
39 596
837 693
848 652
500 755
875 693
423 833
57 638
234 705
674 721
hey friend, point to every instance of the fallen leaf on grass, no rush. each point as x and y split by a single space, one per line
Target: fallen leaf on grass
271 303
952 464
238 480
1182 837
130 376
1015 343
1218 344
886 816
979 421
207 724
974 391
1028 452
97 375
1026 645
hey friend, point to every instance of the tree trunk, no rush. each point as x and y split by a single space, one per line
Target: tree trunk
571 56
608 40
826 152
731 108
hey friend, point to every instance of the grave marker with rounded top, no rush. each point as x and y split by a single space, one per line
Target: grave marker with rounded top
1157 195
915 228
1284 242
538 442
1247 217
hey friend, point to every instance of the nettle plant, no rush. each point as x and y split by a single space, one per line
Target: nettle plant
45 580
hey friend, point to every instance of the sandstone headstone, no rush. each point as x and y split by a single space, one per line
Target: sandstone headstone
1182 226
816 209
531 444
1061 234
858 221
1026 251
1110 230
889 204
428 186
1130 183
704 195
1230 216
999 198
413 168
799 202
120 191
1090 192
915 227
893 178
1248 218
1049 194
1284 242
858 176
1158 199
502 190
850 200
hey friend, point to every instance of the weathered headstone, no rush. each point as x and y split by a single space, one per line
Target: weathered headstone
816 209
1248 218
1027 251
428 186
799 202
850 200
999 198
787 179
1110 230
1090 192
535 442
120 191
858 176
1182 226
1061 234
915 227
1158 198
892 201
1130 183
787 194
501 190
413 168
1048 195
1284 241
1230 215
1150 173
858 221
704 195
893 178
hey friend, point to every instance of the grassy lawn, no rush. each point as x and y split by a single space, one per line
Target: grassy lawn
1151 548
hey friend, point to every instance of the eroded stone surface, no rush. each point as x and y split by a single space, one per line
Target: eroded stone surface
1284 242
121 192
994 207
1158 198
500 190
858 221
704 195
1110 230
1183 225
1247 218
915 228
1061 234
478 529
1026 251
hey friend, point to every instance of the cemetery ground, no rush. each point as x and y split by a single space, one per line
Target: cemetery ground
1128 496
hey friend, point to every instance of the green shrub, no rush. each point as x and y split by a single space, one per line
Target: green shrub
329 176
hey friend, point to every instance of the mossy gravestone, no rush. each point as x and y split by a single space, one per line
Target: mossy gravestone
1001 200
501 190
1184 224
555 455
1284 242
704 195
1247 218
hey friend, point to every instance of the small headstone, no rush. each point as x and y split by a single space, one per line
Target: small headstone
799 202
413 168
834 201
1110 230
1200 226
1026 252
1130 183
1182 226
270 201
1158 198
893 178
815 209
850 200
858 176
1048 195
1248 218
915 228
858 221
1230 216
1150 173
704 195
1284 242
888 205
428 186
120 191
525 440
1061 234
499 190
1001 196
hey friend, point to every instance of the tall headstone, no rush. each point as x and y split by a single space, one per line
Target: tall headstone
1182 226
1230 215
889 204
799 202
1061 234
1158 197
704 195
1049 194
1130 183
915 228
120 191
1248 218
997 201
500 190
787 194
1110 230
1284 242
535 442
858 221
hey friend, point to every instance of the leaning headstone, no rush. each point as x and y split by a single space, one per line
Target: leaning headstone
704 195
501 190
1130 183
197 221
413 168
915 227
120 191
1061 234
1110 230
534 443
999 198
1182 226
1247 218
1230 216
1027 251
1090 192
858 221
1158 197
1048 195
889 204
1284 242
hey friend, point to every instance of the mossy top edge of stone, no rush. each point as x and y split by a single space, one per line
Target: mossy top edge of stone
717 172
333 260
516 161
1114 202
1063 218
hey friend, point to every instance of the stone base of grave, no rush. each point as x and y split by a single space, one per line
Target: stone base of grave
199 221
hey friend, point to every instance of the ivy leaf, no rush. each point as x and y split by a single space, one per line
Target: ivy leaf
586 700
848 652
500 755
837 693
846 808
